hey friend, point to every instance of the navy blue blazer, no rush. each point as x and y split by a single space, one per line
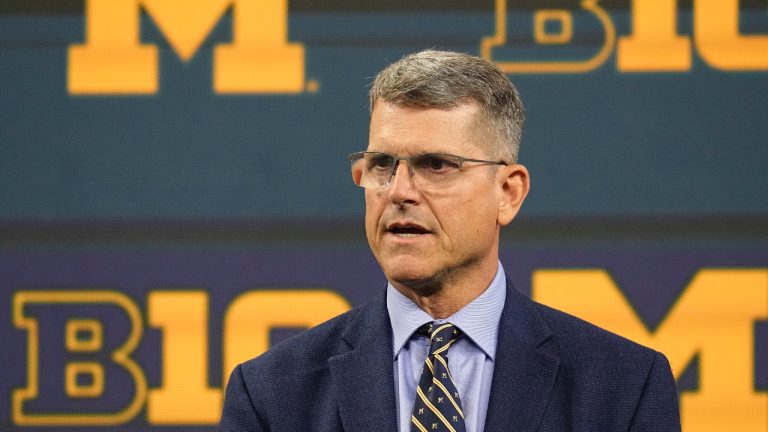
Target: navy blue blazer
553 372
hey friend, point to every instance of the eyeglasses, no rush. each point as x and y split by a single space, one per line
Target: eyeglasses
372 170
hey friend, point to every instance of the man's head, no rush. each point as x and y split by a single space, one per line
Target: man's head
445 79
436 223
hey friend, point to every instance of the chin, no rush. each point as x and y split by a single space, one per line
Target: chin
405 266
413 275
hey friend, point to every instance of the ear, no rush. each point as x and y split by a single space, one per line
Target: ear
515 183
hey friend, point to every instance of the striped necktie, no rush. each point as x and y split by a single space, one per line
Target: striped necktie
437 407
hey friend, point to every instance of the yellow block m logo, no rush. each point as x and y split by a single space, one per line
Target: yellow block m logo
714 318
259 59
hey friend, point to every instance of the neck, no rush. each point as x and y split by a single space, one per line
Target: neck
443 298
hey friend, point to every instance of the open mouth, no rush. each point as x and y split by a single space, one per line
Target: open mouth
407 230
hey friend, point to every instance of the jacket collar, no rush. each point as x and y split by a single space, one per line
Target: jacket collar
524 372
363 377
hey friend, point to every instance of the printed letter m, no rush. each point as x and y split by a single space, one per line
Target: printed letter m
113 61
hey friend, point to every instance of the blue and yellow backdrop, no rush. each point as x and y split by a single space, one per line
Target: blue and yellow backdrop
175 195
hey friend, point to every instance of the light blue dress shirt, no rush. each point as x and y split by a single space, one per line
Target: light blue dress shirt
470 359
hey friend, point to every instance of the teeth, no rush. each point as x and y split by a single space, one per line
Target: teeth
407 235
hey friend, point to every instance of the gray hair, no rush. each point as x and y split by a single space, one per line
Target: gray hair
446 79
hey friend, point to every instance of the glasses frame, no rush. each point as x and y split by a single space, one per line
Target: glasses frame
354 157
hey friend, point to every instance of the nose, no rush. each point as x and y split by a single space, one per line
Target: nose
402 189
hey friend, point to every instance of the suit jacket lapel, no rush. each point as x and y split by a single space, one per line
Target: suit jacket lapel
524 372
363 378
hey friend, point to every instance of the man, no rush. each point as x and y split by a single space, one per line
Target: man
450 345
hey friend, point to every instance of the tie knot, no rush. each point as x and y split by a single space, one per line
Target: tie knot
441 336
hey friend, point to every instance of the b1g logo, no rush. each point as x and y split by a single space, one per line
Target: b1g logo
562 38
81 346
260 58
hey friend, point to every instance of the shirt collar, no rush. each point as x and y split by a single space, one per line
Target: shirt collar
479 320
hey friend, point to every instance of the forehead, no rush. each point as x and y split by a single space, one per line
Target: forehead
404 130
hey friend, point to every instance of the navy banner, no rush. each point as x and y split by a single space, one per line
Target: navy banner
137 339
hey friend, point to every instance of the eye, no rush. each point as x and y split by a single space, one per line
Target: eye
379 162
435 163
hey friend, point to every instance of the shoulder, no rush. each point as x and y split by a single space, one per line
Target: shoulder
579 338
592 357
289 385
291 381
308 350
624 384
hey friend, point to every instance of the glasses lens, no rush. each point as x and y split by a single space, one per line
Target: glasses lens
371 169
435 170
435 163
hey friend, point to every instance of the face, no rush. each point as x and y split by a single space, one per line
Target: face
422 240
